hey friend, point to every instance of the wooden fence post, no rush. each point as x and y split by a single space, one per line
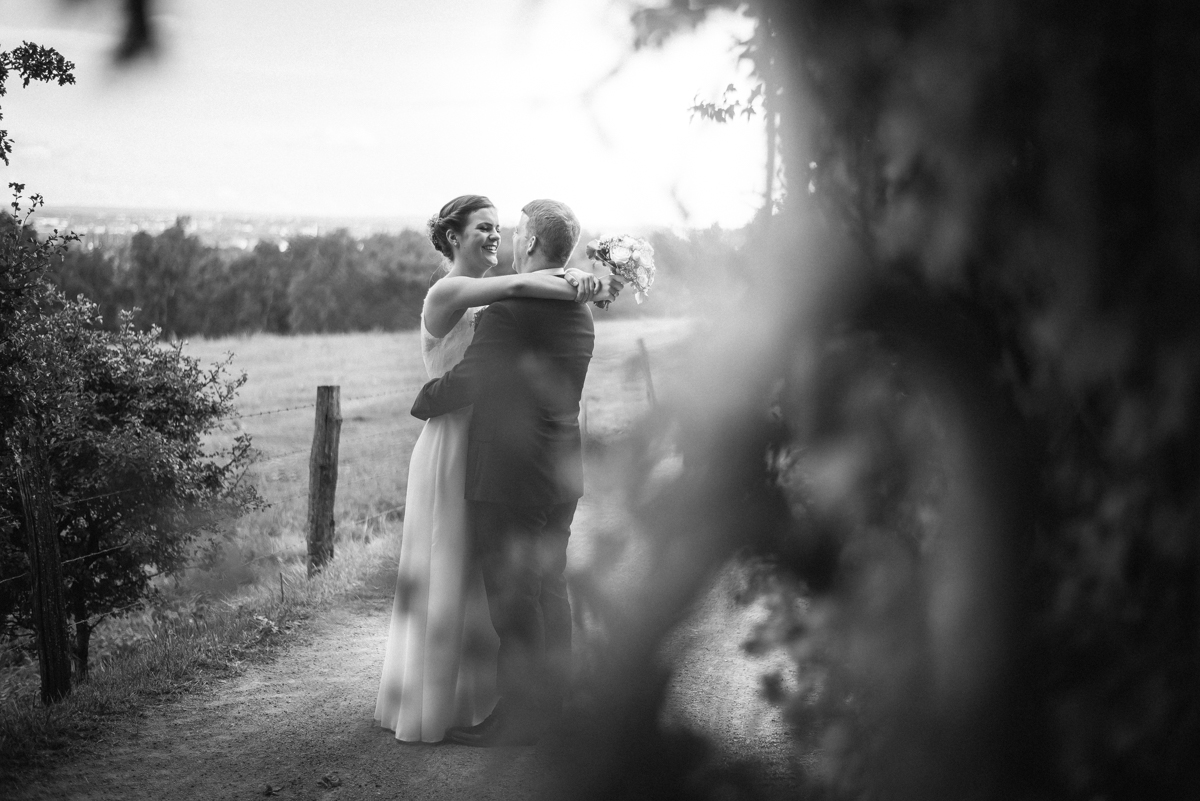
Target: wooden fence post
45 570
322 477
646 372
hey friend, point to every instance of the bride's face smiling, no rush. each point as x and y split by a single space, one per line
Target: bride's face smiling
479 242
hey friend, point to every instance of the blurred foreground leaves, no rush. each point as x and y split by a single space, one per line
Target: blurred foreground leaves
955 415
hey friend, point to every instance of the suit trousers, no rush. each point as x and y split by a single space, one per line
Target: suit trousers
522 551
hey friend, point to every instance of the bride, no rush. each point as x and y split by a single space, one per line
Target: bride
439 669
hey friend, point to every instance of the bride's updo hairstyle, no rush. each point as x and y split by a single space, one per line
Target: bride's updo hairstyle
453 217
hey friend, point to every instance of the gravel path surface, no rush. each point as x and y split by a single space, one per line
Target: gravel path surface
299 726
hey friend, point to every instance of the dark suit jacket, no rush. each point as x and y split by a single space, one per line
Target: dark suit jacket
524 373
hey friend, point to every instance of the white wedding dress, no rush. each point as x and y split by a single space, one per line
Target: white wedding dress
439 669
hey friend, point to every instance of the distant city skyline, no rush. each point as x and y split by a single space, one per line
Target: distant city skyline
385 110
109 227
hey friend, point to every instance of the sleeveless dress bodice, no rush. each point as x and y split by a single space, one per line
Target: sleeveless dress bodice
442 353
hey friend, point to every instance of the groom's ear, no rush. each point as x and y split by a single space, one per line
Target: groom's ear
533 243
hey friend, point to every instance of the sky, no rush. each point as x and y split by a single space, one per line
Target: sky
385 108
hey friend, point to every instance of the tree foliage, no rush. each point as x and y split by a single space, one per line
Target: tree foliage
31 62
122 418
330 283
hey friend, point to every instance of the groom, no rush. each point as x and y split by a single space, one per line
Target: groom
524 373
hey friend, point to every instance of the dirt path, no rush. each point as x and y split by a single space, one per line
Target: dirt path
301 725
288 724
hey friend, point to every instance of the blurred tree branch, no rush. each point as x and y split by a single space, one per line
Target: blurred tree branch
139 36
654 25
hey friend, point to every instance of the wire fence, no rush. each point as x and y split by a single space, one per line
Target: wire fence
283 490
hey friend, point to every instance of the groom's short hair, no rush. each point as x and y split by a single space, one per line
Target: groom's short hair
555 226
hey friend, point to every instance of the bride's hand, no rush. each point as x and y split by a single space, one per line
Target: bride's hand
586 285
610 287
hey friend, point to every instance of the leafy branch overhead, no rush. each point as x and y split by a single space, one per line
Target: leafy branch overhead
729 106
31 62
654 25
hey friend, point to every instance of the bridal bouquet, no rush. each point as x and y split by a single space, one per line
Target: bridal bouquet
629 258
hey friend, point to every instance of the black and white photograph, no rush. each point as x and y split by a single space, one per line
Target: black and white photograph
600 399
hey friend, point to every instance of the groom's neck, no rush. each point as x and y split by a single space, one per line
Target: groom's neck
541 266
